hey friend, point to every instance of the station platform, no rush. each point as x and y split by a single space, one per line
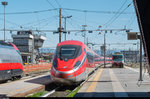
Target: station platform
25 86
115 82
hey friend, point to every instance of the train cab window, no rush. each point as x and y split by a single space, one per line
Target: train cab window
67 51
117 57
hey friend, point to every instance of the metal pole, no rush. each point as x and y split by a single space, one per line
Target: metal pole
137 52
140 78
65 28
4 22
104 51
32 58
84 30
60 25
4 4
65 24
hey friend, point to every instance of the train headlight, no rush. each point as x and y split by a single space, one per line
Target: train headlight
77 64
54 64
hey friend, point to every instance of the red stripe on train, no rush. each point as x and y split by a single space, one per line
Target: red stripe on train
9 66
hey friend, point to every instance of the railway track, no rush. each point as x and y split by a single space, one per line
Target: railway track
28 76
53 89
64 90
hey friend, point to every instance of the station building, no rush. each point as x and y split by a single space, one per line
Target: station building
28 43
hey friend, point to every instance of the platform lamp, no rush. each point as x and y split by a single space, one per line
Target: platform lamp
4 3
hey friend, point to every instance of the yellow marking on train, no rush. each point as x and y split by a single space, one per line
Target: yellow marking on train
94 83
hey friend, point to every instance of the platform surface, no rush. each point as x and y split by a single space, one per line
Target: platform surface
23 87
116 82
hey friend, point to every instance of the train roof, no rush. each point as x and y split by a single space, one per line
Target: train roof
70 42
117 54
4 43
75 42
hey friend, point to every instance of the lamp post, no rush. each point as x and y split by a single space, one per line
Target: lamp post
4 3
65 24
140 78
104 49
84 35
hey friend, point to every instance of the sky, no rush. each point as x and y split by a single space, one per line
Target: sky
44 15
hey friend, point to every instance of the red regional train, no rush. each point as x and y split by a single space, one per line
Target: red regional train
11 65
73 62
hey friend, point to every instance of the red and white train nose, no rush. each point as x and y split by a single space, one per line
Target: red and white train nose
73 62
73 72
60 76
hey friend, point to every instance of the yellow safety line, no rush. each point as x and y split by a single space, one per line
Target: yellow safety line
94 83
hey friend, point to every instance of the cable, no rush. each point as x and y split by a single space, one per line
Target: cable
10 22
40 11
130 22
30 12
116 13
58 4
90 11
50 4
42 20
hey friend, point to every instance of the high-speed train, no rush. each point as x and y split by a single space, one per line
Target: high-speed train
73 62
11 65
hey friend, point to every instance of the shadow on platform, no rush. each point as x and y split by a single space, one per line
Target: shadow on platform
101 81
41 80
3 96
112 94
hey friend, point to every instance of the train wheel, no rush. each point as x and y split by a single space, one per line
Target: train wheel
19 77
3 81
112 65
121 66
16 77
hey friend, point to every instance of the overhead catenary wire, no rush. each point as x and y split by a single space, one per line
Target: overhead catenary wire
79 10
119 14
29 12
58 4
32 24
41 21
115 14
131 21
92 11
50 4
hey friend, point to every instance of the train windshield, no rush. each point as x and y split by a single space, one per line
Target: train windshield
67 51
117 57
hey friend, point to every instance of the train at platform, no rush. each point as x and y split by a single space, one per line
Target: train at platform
118 60
11 65
74 61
